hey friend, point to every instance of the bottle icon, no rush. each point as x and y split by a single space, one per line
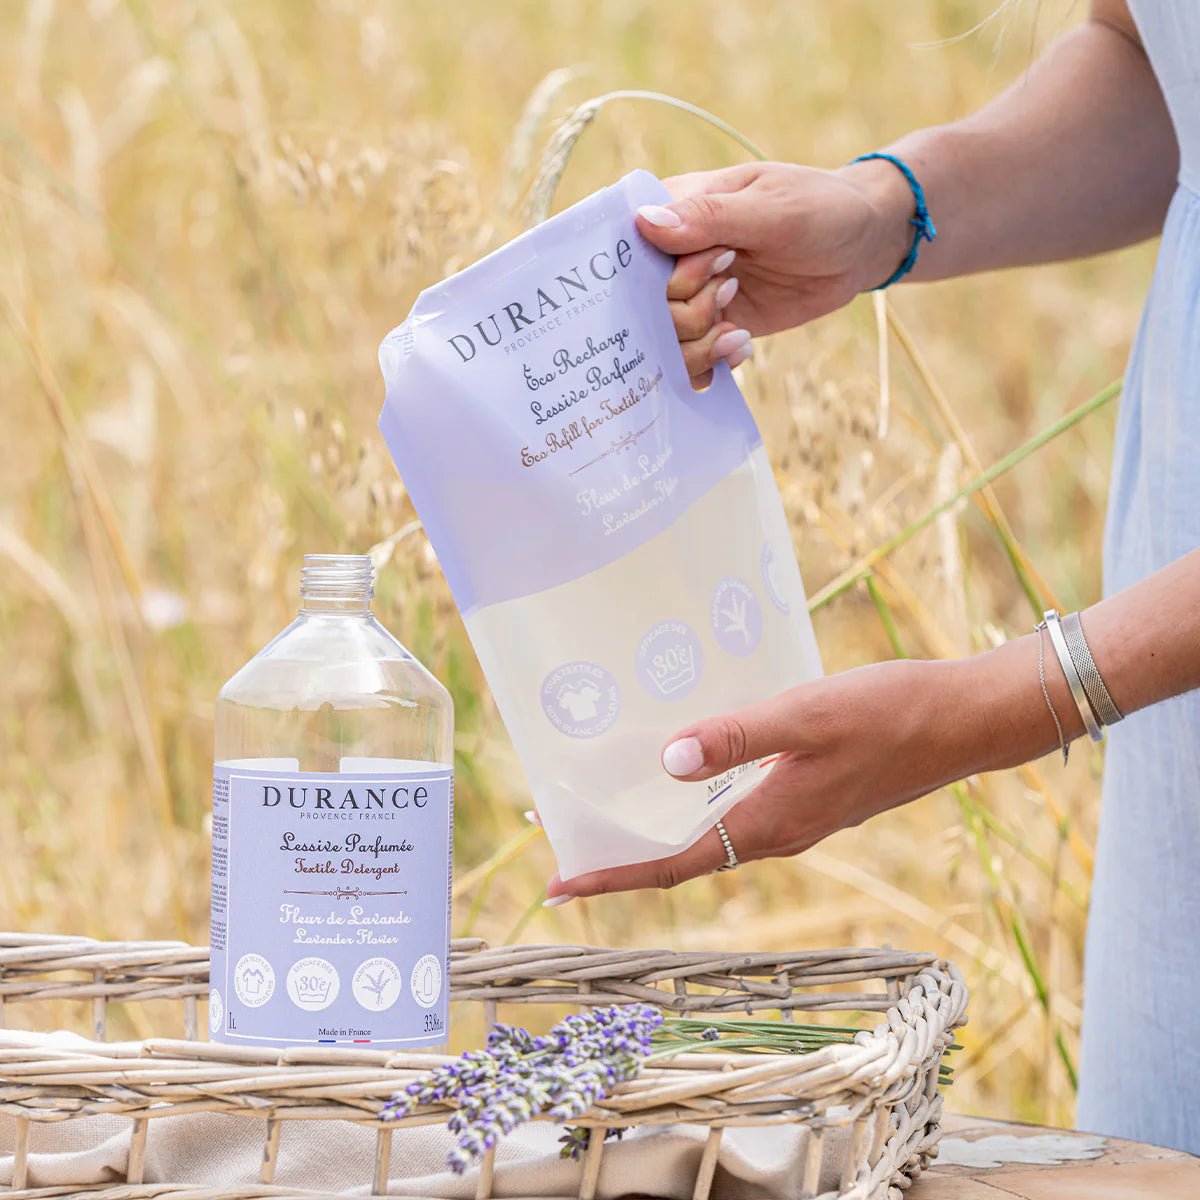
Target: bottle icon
332 818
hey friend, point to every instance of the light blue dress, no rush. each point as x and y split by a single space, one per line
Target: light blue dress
1140 1070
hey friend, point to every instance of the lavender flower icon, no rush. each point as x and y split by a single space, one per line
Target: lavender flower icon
376 985
737 616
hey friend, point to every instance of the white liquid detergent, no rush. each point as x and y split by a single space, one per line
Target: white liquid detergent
333 799
615 541
598 672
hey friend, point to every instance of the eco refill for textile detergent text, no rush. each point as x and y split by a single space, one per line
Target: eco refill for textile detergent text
615 541
332 817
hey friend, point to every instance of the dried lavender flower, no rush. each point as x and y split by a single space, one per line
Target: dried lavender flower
519 1076
578 1138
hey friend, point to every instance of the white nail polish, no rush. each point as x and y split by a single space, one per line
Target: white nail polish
727 343
684 757
532 817
726 292
555 901
739 356
723 262
656 214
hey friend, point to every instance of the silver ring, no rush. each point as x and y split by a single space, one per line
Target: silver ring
732 864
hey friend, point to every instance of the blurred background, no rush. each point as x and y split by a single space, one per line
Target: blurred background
210 214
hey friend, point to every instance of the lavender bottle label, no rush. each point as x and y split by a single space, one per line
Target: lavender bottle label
331 903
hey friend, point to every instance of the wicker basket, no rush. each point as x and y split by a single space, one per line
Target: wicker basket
881 1092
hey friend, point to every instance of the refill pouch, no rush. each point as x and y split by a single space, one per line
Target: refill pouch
614 541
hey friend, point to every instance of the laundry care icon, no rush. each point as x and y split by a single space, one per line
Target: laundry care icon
253 980
771 579
312 984
311 990
736 616
580 699
377 984
669 660
678 669
425 983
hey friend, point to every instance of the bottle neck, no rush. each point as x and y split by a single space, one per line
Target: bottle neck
311 606
336 584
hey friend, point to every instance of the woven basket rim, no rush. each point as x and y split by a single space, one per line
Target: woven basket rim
884 1084
918 1025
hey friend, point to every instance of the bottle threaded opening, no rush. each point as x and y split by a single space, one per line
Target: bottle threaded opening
337 577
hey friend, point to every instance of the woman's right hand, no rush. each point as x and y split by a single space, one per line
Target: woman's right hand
805 242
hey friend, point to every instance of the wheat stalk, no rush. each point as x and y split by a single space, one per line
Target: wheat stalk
558 150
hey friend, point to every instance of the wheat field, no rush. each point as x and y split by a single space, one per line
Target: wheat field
210 215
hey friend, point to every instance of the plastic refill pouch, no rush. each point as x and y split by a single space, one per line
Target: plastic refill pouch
615 541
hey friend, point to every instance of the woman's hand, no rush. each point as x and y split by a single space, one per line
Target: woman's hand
1014 183
804 242
855 744
850 746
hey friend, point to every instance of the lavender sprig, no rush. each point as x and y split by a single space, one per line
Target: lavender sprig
579 1137
561 1074
577 1064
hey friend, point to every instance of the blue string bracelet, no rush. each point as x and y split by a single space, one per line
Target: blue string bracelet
921 222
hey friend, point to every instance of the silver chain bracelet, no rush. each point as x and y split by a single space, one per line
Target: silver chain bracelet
1062 741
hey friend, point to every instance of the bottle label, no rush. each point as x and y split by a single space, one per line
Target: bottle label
331 904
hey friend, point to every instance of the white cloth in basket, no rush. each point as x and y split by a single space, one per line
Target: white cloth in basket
219 1150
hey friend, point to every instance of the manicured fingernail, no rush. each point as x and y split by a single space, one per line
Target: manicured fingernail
684 757
726 292
532 817
656 214
739 356
555 901
723 262
727 343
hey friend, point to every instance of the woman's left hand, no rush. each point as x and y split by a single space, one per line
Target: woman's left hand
849 746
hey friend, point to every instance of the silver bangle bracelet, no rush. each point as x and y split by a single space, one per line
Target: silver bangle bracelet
1107 713
1050 619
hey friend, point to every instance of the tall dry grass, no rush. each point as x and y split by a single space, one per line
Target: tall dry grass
209 215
